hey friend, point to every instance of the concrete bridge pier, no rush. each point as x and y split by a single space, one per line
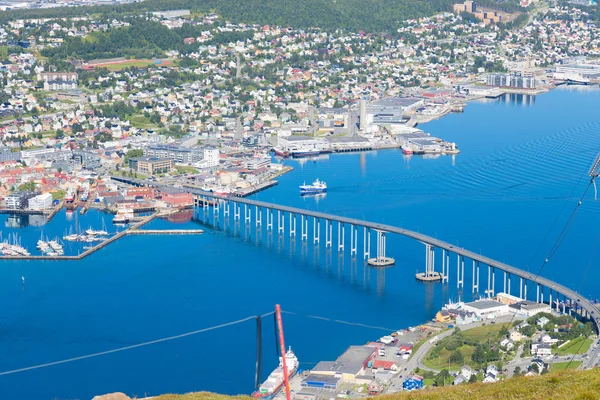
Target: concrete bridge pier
236 211
489 276
258 215
429 260
525 290
367 243
270 219
508 288
537 294
475 276
520 287
247 214
304 222
353 240
445 265
316 230
292 225
328 233
341 236
542 294
550 300
226 209
460 271
280 222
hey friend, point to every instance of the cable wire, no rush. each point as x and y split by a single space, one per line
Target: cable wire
133 346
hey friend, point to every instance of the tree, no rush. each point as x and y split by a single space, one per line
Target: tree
440 379
59 134
535 368
479 355
456 357
473 378
517 371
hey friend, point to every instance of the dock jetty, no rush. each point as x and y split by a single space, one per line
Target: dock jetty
132 230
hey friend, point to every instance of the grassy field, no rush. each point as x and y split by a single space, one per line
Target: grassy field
564 385
579 345
563 365
482 333
58 195
131 63
441 362
140 121
185 169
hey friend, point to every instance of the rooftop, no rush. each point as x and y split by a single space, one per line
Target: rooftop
484 304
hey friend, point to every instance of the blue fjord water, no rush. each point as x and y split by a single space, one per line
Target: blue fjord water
522 169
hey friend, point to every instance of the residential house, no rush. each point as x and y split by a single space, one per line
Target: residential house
542 321
515 335
466 317
507 344
491 374
541 365
442 316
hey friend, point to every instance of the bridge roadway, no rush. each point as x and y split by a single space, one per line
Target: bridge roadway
581 301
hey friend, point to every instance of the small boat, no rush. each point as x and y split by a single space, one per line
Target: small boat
316 187
407 150
92 232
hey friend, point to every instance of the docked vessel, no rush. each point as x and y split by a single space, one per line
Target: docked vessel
92 232
85 196
305 153
280 152
274 382
407 150
121 218
70 196
317 187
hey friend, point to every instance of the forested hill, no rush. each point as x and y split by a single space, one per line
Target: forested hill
355 15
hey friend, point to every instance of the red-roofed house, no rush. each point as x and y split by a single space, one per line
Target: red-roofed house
178 199
387 365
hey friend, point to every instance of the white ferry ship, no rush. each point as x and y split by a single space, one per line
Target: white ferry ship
269 388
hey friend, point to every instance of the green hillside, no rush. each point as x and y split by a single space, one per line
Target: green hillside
367 15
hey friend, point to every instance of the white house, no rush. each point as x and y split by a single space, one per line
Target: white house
466 372
542 321
507 343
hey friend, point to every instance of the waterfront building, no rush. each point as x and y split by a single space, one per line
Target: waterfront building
529 308
575 71
179 154
486 308
349 366
318 381
512 80
292 143
18 200
151 165
40 202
